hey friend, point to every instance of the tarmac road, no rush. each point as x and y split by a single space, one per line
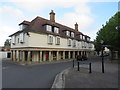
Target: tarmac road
32 76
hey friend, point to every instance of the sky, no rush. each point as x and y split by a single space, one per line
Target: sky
89 14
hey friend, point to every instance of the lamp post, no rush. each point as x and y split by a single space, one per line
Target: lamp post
102 56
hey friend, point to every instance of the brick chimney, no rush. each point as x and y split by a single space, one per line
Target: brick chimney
52 16
76 27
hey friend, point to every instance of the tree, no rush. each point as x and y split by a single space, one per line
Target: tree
7 42
110 34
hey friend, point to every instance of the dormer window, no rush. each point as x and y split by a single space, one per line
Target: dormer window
83 37
88 39
49 28
80 36
68 33
56 29
22 26
72 34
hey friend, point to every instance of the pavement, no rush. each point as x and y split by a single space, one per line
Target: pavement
96 79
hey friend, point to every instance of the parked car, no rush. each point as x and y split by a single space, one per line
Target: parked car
105 54
84 58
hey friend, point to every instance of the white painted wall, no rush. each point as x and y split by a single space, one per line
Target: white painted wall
24 44
3 55
41 40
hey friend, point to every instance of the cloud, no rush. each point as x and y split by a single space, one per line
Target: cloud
6 31
9 20
10 14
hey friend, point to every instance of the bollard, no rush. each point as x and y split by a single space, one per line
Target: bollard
78 65
90 68
73 63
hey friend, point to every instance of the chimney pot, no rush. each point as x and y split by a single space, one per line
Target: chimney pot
52 16
76 27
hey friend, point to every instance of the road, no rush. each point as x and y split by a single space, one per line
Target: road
32 76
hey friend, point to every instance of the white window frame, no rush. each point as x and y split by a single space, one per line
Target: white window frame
68 33
83 44
13 39
69 42
49 28
83 37
72 34
80 36
74 43
21 37
88 39
50 39
57 40
56 29
22 26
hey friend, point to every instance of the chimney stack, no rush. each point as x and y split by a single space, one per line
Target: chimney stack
52 16
76 27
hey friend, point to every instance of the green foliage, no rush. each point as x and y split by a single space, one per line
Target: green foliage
109 33
7 42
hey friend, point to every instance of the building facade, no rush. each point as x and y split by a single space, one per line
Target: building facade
46 40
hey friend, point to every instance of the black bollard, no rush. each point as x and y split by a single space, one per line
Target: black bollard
90 68
73 63
102 65
78 66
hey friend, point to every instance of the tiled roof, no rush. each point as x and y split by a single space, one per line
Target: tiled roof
25 22
37 26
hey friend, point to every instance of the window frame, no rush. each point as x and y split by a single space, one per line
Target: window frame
68 33
21 37
72 34
13 39
74 43
48 28
57 40
56 30
69 42
50 39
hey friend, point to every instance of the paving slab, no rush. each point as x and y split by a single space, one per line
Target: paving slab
96 79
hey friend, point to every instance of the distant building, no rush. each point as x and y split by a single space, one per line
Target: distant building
46 40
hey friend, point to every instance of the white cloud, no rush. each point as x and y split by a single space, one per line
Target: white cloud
81 14
10 14
5 32
9 20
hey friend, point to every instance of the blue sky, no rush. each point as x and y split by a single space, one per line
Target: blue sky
89 14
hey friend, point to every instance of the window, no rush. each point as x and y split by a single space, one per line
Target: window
88 39
50 39
67 33
69 42
18 39
13 39
72 34
58 40
22 26
74 43
48 28
56 30
83 37
83 44
21 37
80 36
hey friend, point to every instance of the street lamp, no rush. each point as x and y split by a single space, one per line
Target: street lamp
102 56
